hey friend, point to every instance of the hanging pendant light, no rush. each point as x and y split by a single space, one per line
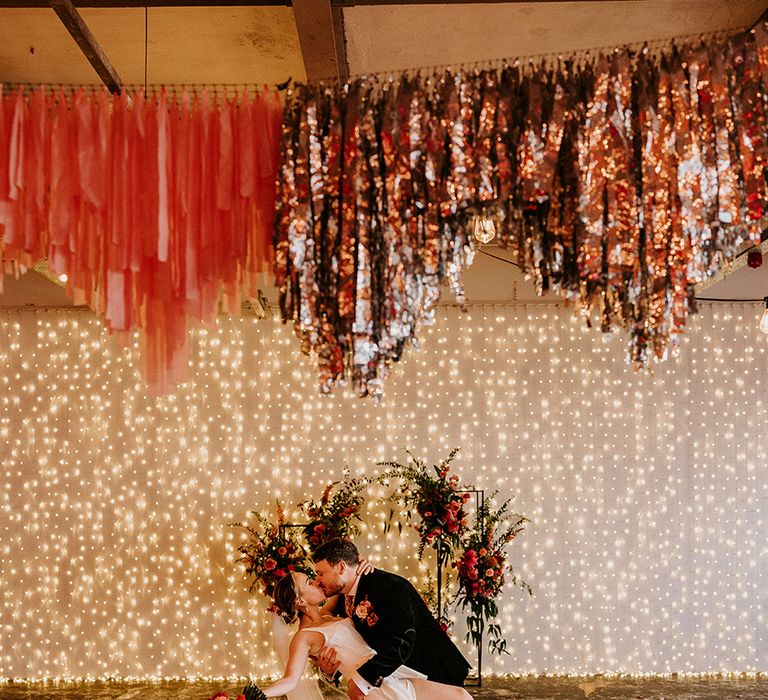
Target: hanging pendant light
763 325
484 228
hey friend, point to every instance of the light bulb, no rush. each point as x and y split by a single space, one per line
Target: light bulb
763 326
485 229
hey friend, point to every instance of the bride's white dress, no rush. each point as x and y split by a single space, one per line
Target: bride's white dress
352 652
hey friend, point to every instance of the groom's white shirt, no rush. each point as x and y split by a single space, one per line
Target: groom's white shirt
360 682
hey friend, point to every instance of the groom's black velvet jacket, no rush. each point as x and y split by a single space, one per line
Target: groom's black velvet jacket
404 633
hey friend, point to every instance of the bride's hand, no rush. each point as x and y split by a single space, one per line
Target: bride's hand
364 567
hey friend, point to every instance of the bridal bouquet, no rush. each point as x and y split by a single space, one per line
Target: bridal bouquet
482 568
440 517
335 513
270 552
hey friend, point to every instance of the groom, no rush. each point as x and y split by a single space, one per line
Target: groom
392 618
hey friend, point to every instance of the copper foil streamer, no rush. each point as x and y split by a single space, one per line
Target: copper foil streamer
617 183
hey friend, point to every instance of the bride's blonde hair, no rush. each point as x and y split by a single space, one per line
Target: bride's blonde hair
287 598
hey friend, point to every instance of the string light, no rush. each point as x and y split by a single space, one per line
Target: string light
646 552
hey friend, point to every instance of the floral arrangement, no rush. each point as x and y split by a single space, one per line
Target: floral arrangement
335 513
270 552
482 569
440 517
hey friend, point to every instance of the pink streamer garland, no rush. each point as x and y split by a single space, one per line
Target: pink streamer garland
155 207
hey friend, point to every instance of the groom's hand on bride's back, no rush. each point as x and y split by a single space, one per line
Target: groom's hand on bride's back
327 661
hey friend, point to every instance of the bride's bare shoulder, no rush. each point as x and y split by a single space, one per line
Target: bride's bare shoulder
313 639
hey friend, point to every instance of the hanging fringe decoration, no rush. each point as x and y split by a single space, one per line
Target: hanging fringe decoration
155 207
618 184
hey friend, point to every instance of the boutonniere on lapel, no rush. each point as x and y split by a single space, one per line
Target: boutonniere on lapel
364 611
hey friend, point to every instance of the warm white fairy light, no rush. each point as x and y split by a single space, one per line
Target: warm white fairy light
647 552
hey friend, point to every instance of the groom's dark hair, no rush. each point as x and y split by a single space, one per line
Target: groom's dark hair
336 550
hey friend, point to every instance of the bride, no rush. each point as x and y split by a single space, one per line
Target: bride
299 598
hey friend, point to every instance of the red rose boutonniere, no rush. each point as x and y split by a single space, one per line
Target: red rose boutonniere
364 610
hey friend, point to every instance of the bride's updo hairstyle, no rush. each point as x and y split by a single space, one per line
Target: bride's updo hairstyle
287 598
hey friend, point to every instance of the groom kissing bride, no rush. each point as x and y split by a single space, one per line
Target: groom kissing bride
374 628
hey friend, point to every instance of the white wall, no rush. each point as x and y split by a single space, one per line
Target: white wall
648 494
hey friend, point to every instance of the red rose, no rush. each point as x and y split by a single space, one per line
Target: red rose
270 564
282 551
319 528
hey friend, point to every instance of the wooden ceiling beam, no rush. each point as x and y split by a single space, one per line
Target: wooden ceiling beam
321 35
267 3
117 4
74 23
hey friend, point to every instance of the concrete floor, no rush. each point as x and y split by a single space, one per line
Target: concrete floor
542 688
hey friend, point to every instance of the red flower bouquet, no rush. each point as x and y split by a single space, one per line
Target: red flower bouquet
440 517
482 568
270 552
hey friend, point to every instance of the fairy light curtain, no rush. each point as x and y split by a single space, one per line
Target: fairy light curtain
155 207
618 184
647 492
